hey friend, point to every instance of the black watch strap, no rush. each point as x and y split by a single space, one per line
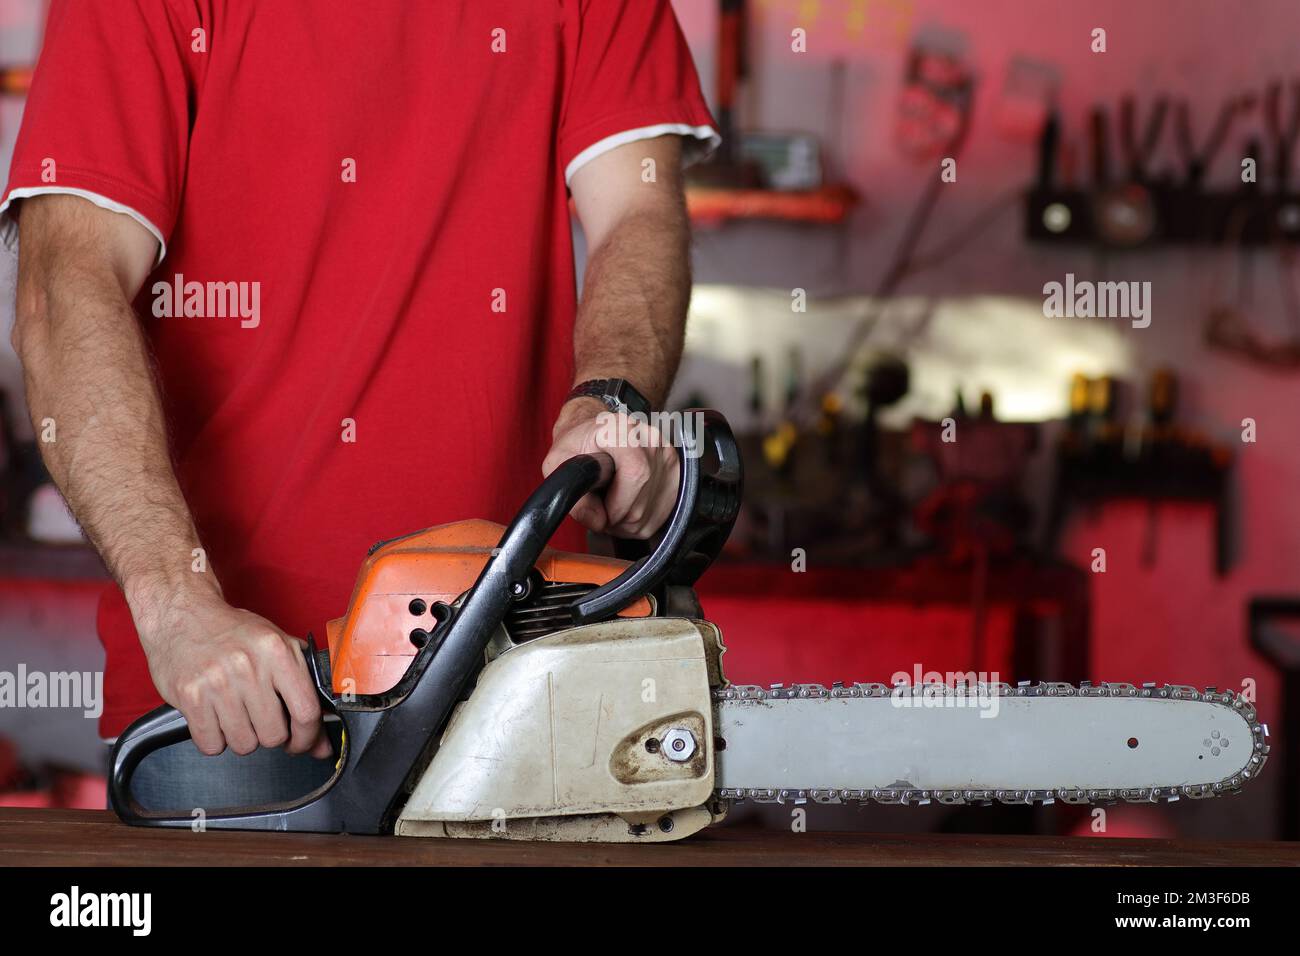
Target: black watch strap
618 394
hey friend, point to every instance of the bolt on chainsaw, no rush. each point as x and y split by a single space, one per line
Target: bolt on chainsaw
491 687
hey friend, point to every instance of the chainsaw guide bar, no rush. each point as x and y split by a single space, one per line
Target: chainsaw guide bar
1109 742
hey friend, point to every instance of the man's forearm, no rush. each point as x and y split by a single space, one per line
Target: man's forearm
633 314
630 325
91 391
239 680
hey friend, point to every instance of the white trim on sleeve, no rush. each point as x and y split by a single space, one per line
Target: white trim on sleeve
9 226
704 140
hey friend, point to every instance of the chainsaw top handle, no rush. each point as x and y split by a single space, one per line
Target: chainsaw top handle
708 501
390 738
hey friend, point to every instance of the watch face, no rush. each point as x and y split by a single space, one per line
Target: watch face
625 397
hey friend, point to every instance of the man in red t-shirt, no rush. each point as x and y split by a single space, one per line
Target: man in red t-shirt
296 277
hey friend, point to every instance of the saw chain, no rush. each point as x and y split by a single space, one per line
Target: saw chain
1071 795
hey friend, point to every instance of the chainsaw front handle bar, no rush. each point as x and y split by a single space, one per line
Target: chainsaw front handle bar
390 738
708 501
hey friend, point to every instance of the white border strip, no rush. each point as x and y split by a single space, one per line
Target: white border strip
708 136
9 226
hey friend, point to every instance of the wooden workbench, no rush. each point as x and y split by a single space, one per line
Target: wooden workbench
97 838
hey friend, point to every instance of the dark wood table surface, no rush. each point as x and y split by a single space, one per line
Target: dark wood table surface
96 838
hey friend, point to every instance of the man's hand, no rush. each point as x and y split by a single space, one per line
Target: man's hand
239 680
641 494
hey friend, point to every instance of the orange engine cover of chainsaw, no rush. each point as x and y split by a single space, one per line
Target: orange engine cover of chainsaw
370 648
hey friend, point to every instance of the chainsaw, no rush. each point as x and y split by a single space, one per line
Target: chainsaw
489 686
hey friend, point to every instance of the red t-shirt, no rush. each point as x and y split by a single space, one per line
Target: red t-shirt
386 182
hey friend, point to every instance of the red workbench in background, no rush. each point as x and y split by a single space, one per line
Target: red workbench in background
1026 620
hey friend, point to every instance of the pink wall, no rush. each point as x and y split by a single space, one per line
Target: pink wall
1174 621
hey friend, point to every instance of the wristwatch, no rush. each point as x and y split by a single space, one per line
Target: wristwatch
618 394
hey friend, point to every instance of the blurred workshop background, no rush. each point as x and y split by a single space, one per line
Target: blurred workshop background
901 179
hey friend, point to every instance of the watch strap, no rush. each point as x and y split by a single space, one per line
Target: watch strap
618 394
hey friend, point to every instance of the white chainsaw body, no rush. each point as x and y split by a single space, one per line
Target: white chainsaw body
596 733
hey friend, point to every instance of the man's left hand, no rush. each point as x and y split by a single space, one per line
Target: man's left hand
640 496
